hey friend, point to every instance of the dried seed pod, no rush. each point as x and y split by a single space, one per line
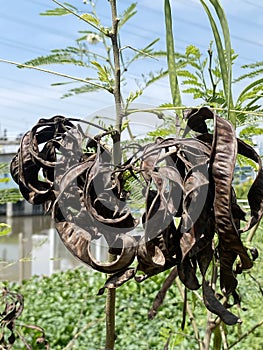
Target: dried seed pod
188 192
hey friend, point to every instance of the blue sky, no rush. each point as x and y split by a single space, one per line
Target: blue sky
27 95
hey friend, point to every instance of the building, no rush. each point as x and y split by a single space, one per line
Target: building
8 187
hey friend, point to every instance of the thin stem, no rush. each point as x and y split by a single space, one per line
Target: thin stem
211 324
252 233
259 324
210 53
208 332
190 314
223 336
202 74
217 339
139 51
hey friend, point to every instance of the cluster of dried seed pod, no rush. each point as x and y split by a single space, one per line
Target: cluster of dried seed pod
188 194
13 306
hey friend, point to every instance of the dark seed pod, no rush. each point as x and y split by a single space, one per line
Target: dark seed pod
188 196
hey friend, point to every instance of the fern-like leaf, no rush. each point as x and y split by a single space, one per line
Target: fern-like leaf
55 59
127 14
59 11
192 82
81 90
153 77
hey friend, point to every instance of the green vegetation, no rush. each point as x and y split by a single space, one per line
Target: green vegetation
67 306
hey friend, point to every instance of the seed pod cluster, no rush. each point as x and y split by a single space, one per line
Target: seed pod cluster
188 195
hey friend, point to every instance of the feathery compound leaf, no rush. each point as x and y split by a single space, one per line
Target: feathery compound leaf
127 14
81 90
59 11
153 77
147 51
192 83
55 59
250 75
186 74
253 65
55 12
87 17
10 195
133 96
257 83
104 73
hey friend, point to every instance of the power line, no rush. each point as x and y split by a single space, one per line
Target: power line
140 28
13 19
253 4
39 3
18 45
207 27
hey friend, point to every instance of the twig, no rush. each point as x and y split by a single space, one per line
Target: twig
257 282
166 346
252 233
139 51
223 336
247 333
78 333
210 53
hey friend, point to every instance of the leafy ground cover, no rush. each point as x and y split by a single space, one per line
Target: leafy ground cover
67 307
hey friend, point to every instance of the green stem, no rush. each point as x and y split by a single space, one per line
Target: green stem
190 314
217 338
